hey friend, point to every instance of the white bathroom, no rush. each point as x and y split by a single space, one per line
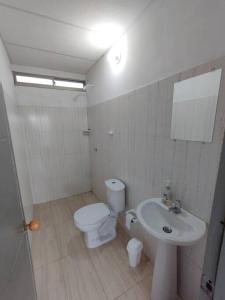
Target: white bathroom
112 150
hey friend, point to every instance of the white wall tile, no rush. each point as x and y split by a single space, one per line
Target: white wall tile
57 151
142 154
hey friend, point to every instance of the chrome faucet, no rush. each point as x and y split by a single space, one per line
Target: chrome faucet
176 207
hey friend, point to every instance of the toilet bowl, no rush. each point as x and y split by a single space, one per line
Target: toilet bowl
98 221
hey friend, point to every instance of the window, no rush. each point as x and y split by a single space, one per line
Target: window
48 81
68 84
33 80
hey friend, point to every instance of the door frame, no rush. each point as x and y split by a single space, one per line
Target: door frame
19 198
215 235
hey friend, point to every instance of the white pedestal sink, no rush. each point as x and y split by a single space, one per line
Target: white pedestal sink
171 230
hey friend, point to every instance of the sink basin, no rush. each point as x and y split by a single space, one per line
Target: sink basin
171 230
178 229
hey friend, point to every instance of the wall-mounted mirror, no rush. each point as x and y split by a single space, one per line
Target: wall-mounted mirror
194 107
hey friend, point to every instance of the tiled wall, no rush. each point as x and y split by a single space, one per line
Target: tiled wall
189 35
142 154
57 151
18 139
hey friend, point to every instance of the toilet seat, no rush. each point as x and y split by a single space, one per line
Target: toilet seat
90 216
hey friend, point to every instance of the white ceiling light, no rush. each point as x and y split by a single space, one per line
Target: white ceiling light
104 35
69 84
33 80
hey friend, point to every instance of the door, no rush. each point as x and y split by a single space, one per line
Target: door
212 284
16 272
220 287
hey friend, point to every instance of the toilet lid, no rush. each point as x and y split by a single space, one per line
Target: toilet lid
91 214
115 185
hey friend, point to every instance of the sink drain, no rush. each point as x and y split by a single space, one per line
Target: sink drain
167 229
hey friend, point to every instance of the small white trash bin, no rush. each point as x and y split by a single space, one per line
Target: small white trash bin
134 248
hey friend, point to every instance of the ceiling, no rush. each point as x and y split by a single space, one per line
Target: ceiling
64 35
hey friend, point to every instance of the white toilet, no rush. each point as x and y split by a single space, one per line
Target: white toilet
98 221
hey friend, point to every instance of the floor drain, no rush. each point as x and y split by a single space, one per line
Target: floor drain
167 229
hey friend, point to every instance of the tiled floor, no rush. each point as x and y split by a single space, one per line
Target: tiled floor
66 270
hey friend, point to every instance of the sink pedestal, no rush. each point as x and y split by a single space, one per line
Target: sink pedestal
164 282
171 230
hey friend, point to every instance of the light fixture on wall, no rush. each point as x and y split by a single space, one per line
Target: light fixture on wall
117 56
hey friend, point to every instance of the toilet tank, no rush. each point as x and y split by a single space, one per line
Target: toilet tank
115 194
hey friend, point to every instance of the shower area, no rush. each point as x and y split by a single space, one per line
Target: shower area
57 149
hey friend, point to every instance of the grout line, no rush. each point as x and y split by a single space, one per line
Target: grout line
136 282
53 225
100 281
99 278
130 288
49 263
62 274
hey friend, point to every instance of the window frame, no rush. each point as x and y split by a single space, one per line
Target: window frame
53 78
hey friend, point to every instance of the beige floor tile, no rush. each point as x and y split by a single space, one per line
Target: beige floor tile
144 269
36 211
89 198
146 283
75 203
60 212
50 282
135 293
64 201
69 239
82 282
45 248
140 291
112 270
43 213
41 286
36 249
122 235
66 269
